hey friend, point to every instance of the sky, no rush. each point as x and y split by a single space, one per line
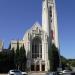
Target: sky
16 16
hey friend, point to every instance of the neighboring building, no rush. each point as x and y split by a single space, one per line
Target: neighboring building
14 44
38 39
1 45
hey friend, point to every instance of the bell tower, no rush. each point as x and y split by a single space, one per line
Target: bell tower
49 21
45 16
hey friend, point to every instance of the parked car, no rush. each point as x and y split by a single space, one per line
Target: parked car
59 72
15 72
69 73
24 73
66 71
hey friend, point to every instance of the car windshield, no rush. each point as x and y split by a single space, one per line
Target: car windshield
15 71
66 70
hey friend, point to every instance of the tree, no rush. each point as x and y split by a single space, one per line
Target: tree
63 62
4 65
54 58
12 59
17 56
9 47
71 62
22 58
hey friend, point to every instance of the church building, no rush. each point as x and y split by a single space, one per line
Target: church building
38 38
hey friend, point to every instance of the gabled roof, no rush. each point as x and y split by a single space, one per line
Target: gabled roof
36 24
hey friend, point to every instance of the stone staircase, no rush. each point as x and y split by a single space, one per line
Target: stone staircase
37 73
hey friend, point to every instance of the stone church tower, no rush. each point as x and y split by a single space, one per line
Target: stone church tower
37 39
49 21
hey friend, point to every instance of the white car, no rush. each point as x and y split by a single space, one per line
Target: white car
66 71
14 72
24 73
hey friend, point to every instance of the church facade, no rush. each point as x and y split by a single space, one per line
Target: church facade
38 38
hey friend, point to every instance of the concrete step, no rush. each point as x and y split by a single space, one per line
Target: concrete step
37 73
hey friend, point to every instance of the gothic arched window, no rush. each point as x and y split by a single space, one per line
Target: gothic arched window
36 48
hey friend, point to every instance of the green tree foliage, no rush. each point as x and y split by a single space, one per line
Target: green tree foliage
54 58
4 65
72 62
12 59
17 57
22 58
9 47
63 62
